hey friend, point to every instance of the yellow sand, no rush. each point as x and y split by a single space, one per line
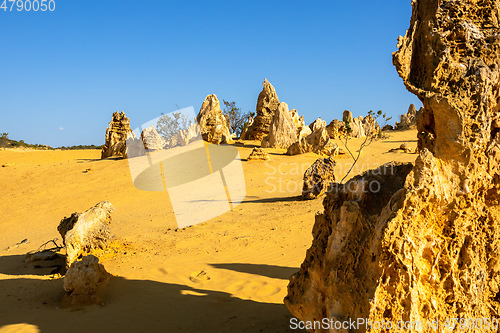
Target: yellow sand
228 274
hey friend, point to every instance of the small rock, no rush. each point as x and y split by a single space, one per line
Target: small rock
82 280
258 154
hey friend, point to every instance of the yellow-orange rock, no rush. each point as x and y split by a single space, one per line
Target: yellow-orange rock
423 246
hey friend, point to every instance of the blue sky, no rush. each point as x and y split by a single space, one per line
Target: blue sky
64 73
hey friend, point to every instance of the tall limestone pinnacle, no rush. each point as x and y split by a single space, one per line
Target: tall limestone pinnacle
424 246
267 105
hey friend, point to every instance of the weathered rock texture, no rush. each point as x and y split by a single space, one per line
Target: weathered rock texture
370 126
267 104
82 280
409 120
258 154
387 128
214 125
347 116
283 131
318 178
84 232
318 141
336 129
300 125
245 133
117 134
421 244
184 136
151 139
357 128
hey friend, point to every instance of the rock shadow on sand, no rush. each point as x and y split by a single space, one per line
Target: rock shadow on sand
271 271
138 306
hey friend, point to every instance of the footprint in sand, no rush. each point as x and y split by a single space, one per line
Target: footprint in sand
199 276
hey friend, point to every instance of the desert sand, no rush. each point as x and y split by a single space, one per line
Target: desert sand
228 274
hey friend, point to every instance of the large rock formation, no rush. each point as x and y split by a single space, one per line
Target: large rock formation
318 141
283 130
421 244
117 134
214 125
267 104
318 178
84 232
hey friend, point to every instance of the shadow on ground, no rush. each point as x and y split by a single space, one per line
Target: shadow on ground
16 265
282 199
138 306
274 272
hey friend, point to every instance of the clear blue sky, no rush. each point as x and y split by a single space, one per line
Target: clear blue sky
64 73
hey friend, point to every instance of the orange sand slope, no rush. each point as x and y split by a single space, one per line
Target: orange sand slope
228 274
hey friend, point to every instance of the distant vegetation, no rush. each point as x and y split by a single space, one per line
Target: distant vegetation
5 142
79 147
170 124
237 118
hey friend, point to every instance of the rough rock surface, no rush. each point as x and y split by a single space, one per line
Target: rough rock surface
245 133
117 134
184 136
336 129
422 243
370 126
84 232
300 125
151 139
318 178
82 281
409 119
258 154
357 128
318 141
283 131
214 125
387 128
267 104
347 116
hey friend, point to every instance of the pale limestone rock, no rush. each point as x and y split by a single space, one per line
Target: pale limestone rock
258 154
409 119
152 140
282 132
84 232
318 141
214 125
82 281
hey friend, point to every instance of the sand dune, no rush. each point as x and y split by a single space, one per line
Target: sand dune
228 274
